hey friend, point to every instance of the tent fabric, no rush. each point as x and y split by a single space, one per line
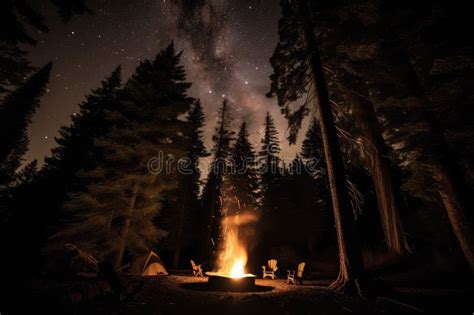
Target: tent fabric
148 265
154 269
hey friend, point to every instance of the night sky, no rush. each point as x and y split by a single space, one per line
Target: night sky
227 45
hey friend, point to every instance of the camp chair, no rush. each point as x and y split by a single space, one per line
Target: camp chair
272 268
298 273
197 269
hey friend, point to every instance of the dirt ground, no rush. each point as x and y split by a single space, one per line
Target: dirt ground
189 295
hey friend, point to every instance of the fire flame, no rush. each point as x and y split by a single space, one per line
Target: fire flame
233 256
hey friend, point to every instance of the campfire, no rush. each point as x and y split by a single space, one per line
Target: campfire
231 274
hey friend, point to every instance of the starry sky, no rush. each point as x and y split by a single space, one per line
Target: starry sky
226 48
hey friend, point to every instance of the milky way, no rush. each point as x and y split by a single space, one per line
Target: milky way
226 46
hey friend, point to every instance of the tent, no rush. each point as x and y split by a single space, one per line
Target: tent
148 265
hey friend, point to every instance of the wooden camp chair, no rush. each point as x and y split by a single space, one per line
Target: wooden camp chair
272 268
298 273
197 269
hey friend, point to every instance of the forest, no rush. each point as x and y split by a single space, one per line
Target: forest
371 211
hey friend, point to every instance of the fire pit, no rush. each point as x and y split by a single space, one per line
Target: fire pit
222 282
232 259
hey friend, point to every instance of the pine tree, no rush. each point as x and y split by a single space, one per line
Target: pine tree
389 67
272 191
75 145
436 136
306 211
311 151
269 166
270 146
75 151
16 112
187 193
212 193
16 18
27 174
358 123
18 108
294 58
198 150
243 180
312 163
116 213
14 67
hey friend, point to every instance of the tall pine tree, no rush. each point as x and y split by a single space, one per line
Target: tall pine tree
187 204
243 190
17 17
298 74
115 214
212 193
389 67
269 165
16 112
272 194
75 151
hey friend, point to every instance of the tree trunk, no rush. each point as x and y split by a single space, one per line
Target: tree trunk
383 185
351 270
126 226
443 166
179 232
391 223
442 169
455 211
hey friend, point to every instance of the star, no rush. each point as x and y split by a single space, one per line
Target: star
222 58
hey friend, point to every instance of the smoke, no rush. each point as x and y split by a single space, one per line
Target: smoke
235 221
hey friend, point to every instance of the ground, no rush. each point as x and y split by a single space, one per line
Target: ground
187 295
184 294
